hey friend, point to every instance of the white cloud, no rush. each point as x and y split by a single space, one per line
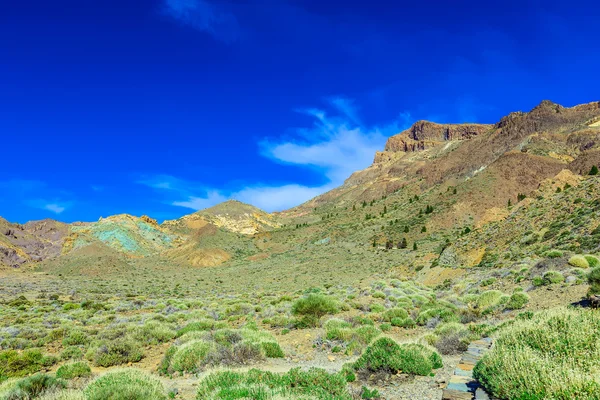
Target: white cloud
204 16
55 208
335 146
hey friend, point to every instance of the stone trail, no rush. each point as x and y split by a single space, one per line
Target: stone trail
462 385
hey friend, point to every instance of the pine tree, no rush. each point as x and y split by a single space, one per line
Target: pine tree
509 203
594 170
402 244
374 243
354 207
454 191
385 209
423 229
415 247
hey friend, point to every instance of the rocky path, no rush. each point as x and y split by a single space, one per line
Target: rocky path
462 385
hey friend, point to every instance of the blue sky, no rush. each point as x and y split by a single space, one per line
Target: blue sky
167 106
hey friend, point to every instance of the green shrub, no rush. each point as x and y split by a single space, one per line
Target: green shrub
394 313
408 323
71 353
33 387
553 277
579 261
272 350
593 261
14 364
202 325
314 306
75 337
116 352
125 384
554 254
262 385
594 281
74 370
517 301
385 355
552 355
190 356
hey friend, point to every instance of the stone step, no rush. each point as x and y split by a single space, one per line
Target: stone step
450 394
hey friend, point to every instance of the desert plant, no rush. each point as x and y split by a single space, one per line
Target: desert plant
385 355
553 277
593 279
73 370
125 384
551 355
314 306
579 261
255 384
517 301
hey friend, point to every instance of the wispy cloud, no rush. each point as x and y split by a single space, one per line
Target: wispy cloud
338 145
56 207
335 146
204 16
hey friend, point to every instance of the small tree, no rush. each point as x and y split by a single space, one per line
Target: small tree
423 229
406 230
403 244
509 203
415 247
594 170
594 281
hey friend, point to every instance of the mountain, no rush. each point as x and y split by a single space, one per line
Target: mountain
442 188
31 242
231 215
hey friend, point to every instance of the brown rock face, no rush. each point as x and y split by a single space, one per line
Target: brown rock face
424 134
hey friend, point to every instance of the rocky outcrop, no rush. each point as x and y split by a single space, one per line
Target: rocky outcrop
31 242
424 134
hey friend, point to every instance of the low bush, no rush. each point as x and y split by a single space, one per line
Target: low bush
117 352
32 387
314 306
15 364
579 261
125 384
554 254
517 301
553 277
593 261
552 355
74 370
195 349
255 384
75 337
394 313
385 355
594 281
